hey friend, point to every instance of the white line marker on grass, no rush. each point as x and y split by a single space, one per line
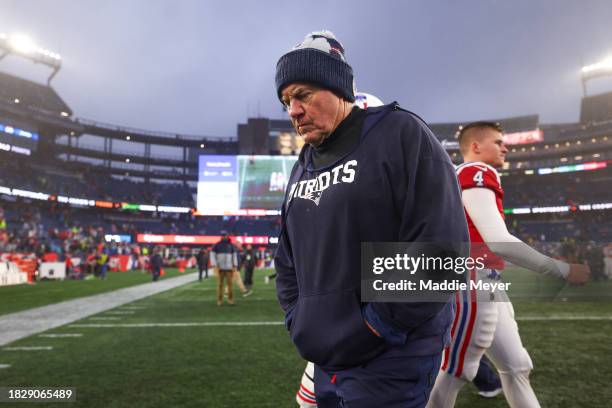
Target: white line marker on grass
32 348
60 335
562 318
4 366
278 323
104 318
186 324
119 312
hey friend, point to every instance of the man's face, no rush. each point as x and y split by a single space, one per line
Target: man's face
314 112
491 148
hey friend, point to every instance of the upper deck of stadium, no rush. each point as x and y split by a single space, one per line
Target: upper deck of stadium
120 150
93 160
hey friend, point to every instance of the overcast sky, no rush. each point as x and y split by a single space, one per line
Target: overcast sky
201 67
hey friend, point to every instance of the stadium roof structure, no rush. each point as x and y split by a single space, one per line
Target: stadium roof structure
32 95
148 136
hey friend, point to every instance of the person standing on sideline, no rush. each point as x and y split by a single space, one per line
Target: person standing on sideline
156 264
375 175
249 260
202 260
224 258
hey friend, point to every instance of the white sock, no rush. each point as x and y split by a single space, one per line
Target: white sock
305 396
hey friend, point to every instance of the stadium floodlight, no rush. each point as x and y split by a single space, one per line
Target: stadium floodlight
603 67
21 44
24 46
596 70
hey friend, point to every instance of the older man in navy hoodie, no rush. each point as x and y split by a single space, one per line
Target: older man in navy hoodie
374 175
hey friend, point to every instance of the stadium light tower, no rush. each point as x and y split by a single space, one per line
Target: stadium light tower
21 45
599 69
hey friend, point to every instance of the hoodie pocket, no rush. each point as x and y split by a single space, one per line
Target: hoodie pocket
329 330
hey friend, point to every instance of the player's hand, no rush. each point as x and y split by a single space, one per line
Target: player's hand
578 274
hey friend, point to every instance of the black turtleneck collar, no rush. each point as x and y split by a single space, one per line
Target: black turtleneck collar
341 141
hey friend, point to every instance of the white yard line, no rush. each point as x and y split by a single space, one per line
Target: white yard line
18 325
119 312
60 335
4 366
104 318
32 348
185 324
562 318
280 323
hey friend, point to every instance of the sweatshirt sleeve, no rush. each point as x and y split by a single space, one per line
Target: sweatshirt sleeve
234 257
213 257
427 200
286 280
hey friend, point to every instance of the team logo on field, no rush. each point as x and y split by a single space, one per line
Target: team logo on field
313 189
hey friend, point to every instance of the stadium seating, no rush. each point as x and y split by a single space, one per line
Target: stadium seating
31 94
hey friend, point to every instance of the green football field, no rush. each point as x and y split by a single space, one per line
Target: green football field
21 297
178 349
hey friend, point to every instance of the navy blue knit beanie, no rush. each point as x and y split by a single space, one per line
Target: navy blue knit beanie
320 60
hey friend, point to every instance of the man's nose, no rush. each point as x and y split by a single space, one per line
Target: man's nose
295 108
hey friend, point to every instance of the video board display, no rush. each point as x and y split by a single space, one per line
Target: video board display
17 139
231 184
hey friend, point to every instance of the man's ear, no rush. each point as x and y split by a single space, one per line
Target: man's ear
475 147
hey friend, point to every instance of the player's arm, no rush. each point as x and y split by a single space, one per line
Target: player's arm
286 279
213 259
481 206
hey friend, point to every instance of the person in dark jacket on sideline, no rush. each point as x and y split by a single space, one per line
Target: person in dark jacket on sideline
374 175
202 260
156 264
249 259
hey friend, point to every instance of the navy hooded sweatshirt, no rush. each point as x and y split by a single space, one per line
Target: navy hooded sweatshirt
396 185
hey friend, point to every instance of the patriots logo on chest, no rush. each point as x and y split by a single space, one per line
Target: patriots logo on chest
315 196
313 189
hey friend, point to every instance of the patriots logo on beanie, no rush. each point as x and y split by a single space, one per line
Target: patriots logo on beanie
323 41
319 59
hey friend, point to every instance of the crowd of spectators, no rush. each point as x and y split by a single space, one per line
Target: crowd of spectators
81 184
40 229
577 188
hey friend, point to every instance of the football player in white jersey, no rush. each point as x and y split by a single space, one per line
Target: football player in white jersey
488 326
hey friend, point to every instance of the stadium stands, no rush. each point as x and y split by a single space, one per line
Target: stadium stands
31 95
133 185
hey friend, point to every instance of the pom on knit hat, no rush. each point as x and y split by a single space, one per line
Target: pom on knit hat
319 59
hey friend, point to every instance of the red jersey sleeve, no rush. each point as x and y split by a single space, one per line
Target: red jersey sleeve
479 175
